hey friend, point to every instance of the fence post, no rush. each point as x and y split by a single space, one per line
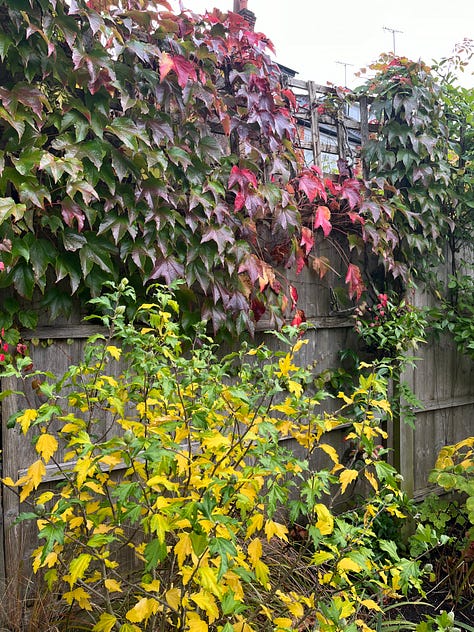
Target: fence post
315 140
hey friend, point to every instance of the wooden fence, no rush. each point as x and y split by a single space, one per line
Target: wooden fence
443 380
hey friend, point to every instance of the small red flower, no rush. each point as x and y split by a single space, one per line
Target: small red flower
383 298
2 357
5 347
2 266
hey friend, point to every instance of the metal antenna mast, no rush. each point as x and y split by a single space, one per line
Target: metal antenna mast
392 31
345 64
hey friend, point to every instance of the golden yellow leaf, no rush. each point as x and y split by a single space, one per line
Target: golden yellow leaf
322 556
26 418
346 477
277 529
254 551
256 523
183 547
173 598
208 580
207 603
282 623
325 522
371 604
330 451
195 623
34 476
286 365
262 573
112 585
348 400
78 567
296 609
372 480
81 596
115 352
105 623
346 564
142 610
299 344
295 388
46 446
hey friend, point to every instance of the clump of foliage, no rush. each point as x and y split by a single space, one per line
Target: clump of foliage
390 327
407 157
137 141
175 456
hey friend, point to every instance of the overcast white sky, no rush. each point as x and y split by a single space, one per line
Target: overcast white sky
310 36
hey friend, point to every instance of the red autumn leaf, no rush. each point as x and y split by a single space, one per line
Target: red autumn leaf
239 201
242 177
321 219
300 317
350 191
258 309
312 184
355 217
354 279
307 239
72 211
184 69
253 266
300 261
290 95
294 296
166 64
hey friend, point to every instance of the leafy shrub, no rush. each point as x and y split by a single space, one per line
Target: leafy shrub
174 455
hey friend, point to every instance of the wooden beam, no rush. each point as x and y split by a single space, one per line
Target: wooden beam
315 137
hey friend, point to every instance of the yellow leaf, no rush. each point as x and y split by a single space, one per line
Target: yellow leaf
283 623
208 580
115 352
346 477
173 598
195 623
330 451
78 567
159 524
26 418
35 473
153 586
343 396
44 498
321 556
286 366
371 604
105 623
254 551
275 528
79 595
325 522
256 523
299 344
207 603
295 388
129 627
95 487
142 610
183 547
262 574
346 564
372 480
112 585
46 446
296 609
9 482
